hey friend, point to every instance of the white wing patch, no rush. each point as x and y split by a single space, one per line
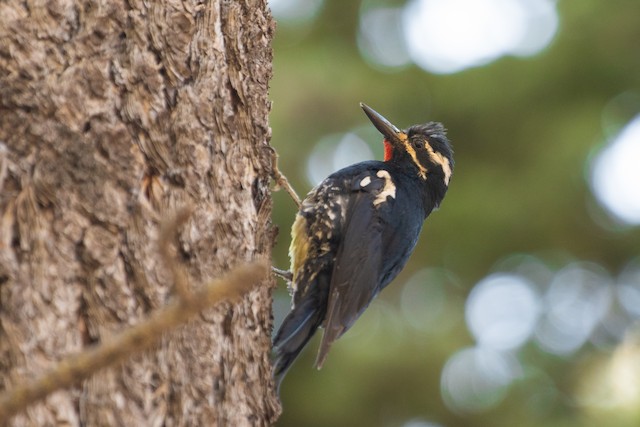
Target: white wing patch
389 189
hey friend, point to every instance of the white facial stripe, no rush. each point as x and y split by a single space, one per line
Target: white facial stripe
412 152
442 161
389 188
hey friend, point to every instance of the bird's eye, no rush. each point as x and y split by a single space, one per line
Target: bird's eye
418 144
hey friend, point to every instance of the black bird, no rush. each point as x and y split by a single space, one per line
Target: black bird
356 230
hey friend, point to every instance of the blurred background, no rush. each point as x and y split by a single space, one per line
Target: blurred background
521 303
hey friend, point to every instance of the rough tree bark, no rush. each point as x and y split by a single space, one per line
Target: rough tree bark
112 115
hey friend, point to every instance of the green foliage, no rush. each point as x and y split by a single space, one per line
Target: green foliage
523 130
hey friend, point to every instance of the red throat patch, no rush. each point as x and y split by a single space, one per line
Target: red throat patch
388 150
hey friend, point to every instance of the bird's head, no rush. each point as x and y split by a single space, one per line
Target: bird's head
425 146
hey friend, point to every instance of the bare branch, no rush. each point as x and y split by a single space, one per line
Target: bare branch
281 180
133 340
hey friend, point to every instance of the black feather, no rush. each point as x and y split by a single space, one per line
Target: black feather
353 235
354 280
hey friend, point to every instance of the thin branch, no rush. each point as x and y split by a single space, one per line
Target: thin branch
133 340
281 180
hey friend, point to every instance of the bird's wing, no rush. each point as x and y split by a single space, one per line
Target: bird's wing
356 271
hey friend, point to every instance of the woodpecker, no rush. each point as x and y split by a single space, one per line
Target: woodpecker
355 231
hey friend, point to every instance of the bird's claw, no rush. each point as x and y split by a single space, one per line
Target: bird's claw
285 274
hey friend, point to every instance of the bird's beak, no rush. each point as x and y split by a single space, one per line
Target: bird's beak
390 132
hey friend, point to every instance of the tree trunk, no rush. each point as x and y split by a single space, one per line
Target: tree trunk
113 114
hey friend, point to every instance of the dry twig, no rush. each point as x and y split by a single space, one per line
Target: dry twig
137 338
281 180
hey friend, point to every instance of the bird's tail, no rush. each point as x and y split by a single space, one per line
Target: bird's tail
296 330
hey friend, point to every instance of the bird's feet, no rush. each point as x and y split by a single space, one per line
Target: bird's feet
285 274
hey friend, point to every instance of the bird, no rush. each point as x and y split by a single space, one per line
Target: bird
355 231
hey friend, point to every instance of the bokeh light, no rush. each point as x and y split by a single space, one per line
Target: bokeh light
578 298
624 374
611 384
502 311
505 310
628 289
523 311
380 37
295 11
334 152
615 176
476 379
447 36
619 111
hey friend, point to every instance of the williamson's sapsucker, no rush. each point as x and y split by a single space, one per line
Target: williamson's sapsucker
355 231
